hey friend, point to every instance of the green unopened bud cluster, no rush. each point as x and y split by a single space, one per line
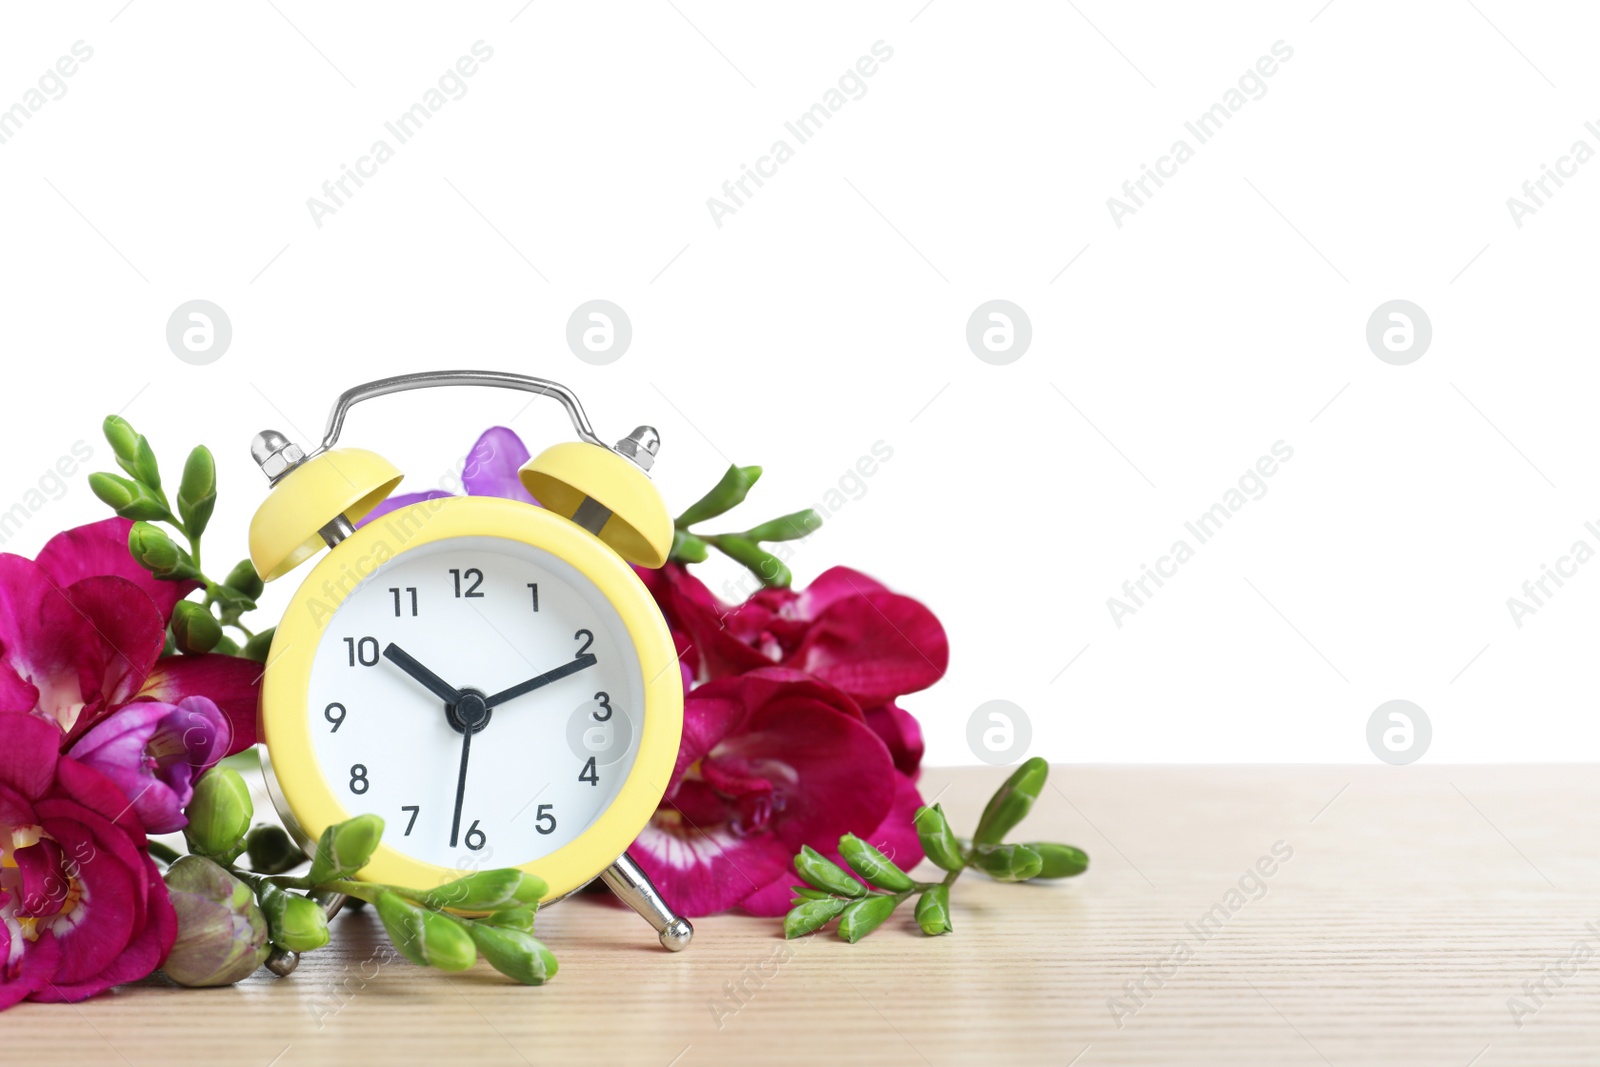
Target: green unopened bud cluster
428 934
864 900
744 547
230 919
195 628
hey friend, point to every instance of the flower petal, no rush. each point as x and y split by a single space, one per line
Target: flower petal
142 954
102 548
28 746
153 751
233 684
830 773
899 730
832 585
491 467
44 885
16 694
47 659
707 719
691 608
875 647
110 910
128 633
704 872
395 503
32 972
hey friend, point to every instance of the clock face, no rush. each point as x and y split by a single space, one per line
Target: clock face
549 715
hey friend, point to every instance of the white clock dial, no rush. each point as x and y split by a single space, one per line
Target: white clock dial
550 679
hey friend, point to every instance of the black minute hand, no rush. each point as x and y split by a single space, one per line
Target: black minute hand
461 784
583 662
430 681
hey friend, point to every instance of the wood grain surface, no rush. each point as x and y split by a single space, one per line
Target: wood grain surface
1416 915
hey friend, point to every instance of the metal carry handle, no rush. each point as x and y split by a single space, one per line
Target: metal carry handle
402 383
277 455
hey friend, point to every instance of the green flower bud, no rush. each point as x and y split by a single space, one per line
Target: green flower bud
144 465
873 865
219 815
222 935
687 548
824 874
259 647
788 528
194 628
244 578
1008 863
272 850
197 492
344 848
938 840
159 554
1059 861
757 560
802 893
513 918
298 923
127 498
861 917
933 911
514 953
728 493
231 604
487 891
811 915
426 938
1012 802
121 436
227 646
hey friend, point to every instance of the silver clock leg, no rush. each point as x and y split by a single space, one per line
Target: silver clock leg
633 886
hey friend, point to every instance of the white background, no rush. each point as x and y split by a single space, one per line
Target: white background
829 312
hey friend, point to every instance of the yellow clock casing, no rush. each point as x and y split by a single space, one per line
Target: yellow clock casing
312 796
600 513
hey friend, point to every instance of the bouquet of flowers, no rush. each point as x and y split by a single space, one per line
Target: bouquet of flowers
128 709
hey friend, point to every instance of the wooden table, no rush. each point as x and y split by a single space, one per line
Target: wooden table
1416 902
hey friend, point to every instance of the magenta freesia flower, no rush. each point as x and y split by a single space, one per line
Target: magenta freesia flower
154 752
81 633
770 760
845 628
82 905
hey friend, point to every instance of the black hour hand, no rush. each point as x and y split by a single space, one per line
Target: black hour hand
430 681
583 662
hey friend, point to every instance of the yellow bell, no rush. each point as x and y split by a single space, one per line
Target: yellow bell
286 530
606 494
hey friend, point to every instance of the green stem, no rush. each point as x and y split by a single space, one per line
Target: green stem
367 891
165 853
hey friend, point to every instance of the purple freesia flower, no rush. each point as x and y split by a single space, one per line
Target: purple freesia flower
154 752
490 470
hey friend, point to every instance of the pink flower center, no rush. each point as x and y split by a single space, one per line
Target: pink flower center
41 884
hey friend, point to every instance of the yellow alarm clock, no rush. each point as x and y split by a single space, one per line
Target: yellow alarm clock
488 676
